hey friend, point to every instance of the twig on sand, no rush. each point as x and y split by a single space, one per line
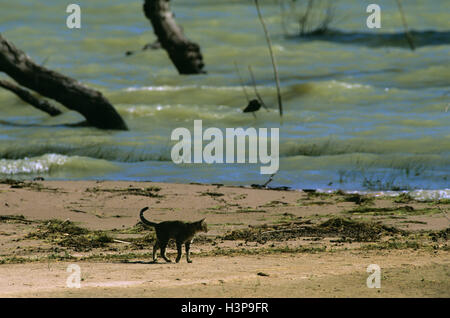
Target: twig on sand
272 56
264 186
443 212
270 180
119 241
282 230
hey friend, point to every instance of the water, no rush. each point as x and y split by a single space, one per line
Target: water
361 110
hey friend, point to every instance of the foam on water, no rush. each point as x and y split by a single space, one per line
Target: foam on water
31 165
419 194
54 165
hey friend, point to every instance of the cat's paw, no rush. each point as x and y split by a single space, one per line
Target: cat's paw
168 260
189 261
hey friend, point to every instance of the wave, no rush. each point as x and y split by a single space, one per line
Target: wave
53 163
347 172
426 151
418 194
328 146
31 165
109 153
168 88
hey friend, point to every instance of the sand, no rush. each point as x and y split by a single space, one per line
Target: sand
415 264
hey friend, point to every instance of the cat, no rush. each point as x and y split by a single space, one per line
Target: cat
182 232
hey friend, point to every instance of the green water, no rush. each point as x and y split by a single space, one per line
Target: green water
361 110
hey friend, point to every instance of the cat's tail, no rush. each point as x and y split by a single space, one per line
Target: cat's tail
144 220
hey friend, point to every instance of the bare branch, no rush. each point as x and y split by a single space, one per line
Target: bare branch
27 97
185 55
408 35
272 56
88 102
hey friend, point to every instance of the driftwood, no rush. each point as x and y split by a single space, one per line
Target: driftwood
185 55
27 97
88 102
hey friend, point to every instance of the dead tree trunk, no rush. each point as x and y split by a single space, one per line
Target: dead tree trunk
27 97
185 55
88 102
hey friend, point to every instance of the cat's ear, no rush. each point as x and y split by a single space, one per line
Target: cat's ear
202 220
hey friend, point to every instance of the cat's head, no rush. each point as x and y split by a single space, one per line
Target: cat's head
201 226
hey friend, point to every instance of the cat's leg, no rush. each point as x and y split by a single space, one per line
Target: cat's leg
179 250
188 245
155 249
163 251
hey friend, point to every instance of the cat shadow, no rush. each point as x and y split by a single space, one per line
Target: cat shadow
146 263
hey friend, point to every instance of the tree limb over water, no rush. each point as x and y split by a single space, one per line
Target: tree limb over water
185 55
27 97
88 102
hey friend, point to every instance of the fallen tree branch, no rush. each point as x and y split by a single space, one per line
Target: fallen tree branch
185 55
88 102
27 97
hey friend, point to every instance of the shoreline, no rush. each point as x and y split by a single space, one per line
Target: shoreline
418 194
126 195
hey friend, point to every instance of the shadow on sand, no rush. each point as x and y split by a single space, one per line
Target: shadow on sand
139 262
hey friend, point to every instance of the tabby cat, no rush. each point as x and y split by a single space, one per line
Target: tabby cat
182 232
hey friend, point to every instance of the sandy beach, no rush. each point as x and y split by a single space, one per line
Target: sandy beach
260 243
307 142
